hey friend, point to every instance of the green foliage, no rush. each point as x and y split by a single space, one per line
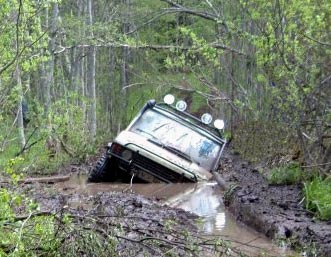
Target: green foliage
318 197
51 142
10 169
196 53
286 175
21 34
18 236
67 124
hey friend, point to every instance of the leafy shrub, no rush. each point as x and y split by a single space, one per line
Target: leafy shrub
286 175
318 197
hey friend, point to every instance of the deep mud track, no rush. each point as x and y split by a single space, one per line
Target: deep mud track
276 211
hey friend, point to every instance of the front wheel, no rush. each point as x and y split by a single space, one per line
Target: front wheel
101 172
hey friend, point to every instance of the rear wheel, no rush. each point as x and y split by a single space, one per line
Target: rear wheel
102 171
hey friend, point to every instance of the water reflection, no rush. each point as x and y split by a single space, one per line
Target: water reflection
205 201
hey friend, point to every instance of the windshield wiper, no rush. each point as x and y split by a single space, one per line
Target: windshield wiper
156 142
146 132
160 126
182 136
171 149
178 152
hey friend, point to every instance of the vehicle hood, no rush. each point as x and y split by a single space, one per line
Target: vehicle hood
136 142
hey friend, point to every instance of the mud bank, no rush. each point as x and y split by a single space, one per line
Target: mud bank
276 211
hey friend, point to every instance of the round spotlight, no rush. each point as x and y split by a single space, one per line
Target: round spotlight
169 99
181 105
219 124
206 118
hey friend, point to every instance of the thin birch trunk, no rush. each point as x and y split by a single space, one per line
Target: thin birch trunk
48 67
91 59
20 122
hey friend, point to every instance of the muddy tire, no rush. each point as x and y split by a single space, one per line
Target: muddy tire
101 171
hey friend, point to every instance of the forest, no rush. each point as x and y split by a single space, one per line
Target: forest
74 73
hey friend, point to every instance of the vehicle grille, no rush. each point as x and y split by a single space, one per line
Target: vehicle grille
159 171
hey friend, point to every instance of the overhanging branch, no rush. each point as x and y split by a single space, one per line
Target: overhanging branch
179 8
148 46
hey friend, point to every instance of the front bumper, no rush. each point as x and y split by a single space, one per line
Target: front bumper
149 170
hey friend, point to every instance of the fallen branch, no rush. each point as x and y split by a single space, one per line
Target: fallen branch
47 180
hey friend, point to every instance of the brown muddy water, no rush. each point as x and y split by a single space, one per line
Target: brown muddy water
203 199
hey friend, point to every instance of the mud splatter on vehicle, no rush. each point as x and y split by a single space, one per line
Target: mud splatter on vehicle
163 143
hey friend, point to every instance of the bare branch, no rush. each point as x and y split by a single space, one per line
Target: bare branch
326 79
213 8
179 8
149 21
317 41
316 165
131 85
147 46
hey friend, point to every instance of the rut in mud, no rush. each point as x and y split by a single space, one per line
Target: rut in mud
276 211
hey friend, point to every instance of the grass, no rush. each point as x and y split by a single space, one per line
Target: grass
285 175
318 197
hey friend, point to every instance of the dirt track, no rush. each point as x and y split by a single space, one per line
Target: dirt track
276 211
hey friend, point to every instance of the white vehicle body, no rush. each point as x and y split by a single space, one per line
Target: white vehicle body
163 144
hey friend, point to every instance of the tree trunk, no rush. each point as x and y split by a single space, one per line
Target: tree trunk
111 88
91 57
20 122
48 67
124 79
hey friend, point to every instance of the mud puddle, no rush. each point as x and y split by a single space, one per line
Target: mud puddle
203 199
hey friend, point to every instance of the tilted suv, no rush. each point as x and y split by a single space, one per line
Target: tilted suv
163 143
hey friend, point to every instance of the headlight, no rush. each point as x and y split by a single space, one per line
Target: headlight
127 155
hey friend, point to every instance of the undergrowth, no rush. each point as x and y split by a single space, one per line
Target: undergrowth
285 175
318 197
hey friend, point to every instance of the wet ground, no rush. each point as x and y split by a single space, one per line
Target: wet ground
275 211
203 199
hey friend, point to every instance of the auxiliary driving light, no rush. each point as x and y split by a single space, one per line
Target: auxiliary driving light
219 124
181 105
169 99
206 118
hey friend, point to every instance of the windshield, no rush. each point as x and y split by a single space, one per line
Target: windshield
176 137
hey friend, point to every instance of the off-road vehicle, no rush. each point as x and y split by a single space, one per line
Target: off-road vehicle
163 143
